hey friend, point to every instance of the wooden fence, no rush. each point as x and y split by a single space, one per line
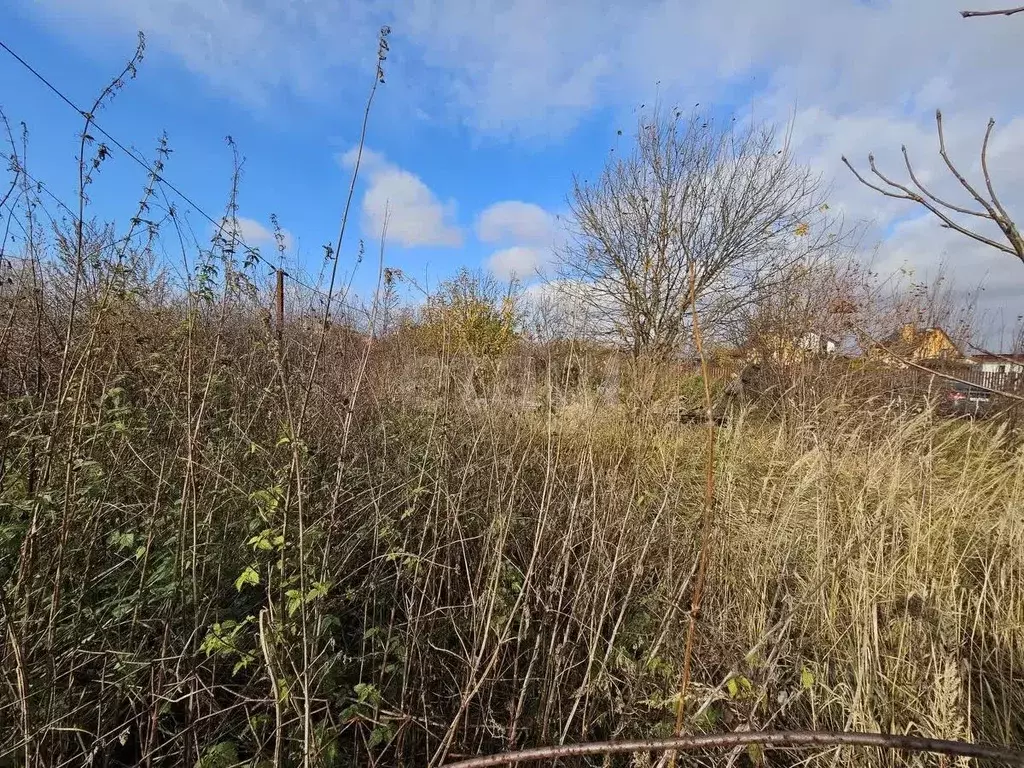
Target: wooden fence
900 378
1003 382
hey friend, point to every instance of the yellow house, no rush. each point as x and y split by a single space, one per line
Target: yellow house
919 345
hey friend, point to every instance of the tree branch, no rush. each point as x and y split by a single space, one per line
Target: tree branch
1005 222
919 185
875 187
993 214
1003 755
993 209
946 220
1002 12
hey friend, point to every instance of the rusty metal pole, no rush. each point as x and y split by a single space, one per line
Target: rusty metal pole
279 300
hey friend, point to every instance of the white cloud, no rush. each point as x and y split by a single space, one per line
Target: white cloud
253 233
368 159
520 261
531 234
855 76
514 221
528 67
415 217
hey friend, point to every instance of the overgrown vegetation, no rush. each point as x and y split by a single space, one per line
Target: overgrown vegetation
223 546
187 583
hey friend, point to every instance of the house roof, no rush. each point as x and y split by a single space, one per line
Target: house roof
919 334
898 342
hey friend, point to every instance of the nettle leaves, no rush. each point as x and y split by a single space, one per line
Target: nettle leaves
249 577
230 639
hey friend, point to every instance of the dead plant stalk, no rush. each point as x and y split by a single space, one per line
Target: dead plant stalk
697 594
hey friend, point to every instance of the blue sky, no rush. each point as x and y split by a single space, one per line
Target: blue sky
292 151
499 102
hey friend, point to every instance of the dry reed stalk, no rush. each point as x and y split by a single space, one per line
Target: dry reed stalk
697 594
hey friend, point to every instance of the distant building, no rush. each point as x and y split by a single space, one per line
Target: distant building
794 349
1001 363
818 344
918 345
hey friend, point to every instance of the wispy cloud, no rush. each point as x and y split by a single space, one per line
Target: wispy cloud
529 67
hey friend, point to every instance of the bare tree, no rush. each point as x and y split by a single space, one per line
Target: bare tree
987 208
732 201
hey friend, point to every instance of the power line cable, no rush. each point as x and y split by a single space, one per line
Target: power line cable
250 250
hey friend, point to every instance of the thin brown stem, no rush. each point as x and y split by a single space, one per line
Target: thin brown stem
709 499
888 741
378 78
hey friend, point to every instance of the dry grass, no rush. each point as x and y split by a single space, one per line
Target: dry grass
219 547
187 581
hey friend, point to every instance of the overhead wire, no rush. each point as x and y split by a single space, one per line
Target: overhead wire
249 250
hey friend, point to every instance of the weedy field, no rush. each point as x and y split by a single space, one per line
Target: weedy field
245 524
221 549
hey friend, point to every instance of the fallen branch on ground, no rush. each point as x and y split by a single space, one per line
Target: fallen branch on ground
1003 755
